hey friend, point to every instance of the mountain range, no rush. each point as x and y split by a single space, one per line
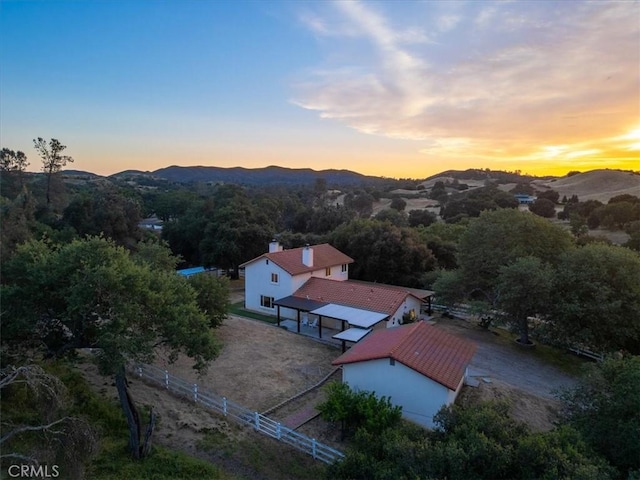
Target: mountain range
595 184
251 176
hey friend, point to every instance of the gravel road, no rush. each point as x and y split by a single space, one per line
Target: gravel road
497 358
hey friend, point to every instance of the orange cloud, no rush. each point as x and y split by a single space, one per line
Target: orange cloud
529 85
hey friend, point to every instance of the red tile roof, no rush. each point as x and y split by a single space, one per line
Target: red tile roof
324 255
422 347
374 297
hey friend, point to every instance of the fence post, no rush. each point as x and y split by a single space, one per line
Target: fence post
313 447
166 379
139 371
195 392
224 406
256 420
278 431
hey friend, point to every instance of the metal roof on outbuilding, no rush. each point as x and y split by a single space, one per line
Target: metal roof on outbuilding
355 316
352 334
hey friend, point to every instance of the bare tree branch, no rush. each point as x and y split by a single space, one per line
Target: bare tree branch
33 428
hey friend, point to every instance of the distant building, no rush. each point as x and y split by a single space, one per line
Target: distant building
524 199
151 223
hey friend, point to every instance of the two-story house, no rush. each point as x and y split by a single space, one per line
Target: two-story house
311 285
279 273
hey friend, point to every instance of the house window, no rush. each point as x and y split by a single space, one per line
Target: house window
344 268
266 302
392 361
327 272
274 278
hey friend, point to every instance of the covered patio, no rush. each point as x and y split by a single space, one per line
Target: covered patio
354 323
302 306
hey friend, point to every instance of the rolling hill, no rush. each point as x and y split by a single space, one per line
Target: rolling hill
594 185
260 176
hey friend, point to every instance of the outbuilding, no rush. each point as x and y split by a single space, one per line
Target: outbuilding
419 366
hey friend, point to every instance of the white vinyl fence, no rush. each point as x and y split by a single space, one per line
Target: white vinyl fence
240 414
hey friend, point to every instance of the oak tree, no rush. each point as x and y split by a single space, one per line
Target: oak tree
92 294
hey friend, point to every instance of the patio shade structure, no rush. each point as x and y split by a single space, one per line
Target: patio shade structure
297 304
351 335
353 316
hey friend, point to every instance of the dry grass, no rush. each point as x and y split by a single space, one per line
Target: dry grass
596 185
260 365
537 412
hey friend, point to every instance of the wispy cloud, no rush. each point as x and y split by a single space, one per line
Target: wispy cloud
501 77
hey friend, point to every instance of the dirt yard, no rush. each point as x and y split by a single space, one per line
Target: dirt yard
261 365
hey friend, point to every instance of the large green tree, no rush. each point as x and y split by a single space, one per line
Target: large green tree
212 295
597 298
383 252
92 294
605 409
361 202
105 212
524 289
497 239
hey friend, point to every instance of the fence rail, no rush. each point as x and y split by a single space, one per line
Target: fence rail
464 312
242 415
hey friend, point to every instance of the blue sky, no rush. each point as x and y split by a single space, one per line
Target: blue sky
402 89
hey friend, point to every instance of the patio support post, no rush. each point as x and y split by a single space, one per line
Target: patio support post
320 325
278 315
298 318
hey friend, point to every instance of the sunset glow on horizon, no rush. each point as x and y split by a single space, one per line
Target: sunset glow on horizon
395 89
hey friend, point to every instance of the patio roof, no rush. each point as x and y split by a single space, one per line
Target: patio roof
355 316
299 303
352 334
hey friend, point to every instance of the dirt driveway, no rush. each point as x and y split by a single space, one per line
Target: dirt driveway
499 359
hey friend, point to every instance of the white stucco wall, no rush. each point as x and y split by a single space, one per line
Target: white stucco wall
410 303
257 282
419 396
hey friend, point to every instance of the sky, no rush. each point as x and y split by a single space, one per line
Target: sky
402 89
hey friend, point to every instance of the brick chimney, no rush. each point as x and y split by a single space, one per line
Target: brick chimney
274 246
307 255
